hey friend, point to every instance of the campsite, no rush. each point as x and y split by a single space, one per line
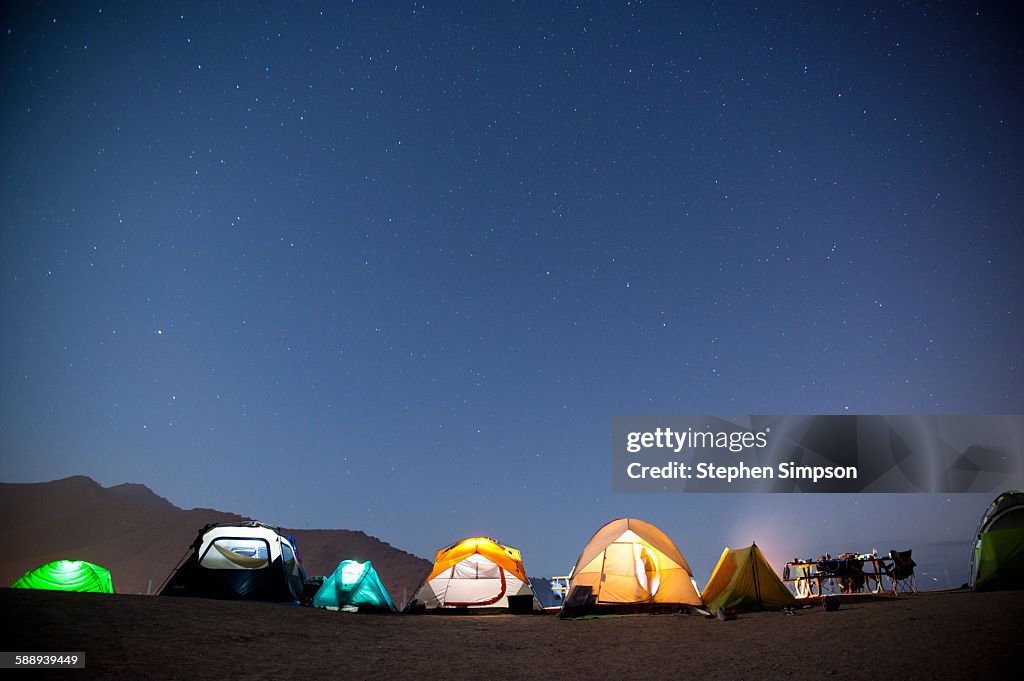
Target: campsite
632 609
227 600
953 635
512 340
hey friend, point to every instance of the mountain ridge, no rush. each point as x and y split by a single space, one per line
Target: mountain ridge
141 536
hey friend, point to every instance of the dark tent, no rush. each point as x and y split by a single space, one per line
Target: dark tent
249 561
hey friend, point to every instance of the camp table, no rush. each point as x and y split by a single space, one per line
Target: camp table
815 577
805 577
880 565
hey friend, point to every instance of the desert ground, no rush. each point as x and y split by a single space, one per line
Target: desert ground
942 635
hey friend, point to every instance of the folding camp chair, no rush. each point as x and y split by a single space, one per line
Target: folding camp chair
901 572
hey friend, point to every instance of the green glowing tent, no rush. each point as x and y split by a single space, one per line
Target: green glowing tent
997 561
354 587
67 575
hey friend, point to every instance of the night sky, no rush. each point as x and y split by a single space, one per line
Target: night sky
395 266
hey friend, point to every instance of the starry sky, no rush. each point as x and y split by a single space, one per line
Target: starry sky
394 266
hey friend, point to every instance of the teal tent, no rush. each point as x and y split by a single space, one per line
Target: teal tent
67 575
354 586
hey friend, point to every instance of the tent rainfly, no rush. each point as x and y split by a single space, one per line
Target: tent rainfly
743 580
997 561
630 566
476 575
243 561
67 575
354 587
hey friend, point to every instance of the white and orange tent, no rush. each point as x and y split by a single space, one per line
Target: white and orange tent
476 575
630 566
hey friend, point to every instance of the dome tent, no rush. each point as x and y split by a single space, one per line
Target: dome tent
67 575
997 561
630 566
476 575
239 561
354 586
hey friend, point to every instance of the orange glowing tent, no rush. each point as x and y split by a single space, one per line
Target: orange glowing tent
479 575
630 566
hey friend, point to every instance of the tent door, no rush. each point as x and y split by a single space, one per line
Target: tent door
620 581
475 581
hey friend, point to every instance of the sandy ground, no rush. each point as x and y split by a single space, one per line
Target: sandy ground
951 635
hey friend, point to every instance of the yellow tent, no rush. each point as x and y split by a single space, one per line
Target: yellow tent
476 574
743 579
630 566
